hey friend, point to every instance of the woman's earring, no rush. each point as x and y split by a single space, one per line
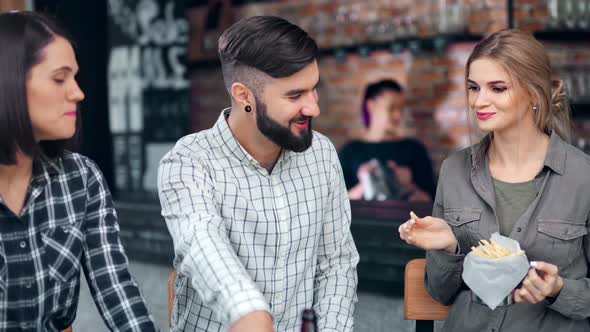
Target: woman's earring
248 108
535 108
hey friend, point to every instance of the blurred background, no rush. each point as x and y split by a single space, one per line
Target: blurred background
150 73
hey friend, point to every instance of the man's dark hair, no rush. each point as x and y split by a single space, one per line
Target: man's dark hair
23 36
266 44
375 89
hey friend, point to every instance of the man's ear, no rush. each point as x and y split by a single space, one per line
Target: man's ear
241 94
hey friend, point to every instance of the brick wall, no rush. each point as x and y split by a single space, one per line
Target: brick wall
571 61
7 5
434 94
434 82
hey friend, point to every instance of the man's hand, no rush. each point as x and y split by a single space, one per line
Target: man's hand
260 321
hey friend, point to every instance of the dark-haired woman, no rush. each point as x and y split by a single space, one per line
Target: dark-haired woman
56 214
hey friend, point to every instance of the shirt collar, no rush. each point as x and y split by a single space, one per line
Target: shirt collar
478 151
44 168
228 141
555 158
556 153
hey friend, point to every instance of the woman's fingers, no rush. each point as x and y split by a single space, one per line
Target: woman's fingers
402 231
526 296
516 296
546 268
534 288
536 293
539 283
405 230
409 225
548 277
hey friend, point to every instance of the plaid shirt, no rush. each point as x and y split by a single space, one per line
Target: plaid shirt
68 223
248 240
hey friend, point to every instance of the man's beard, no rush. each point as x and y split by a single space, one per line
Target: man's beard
280 135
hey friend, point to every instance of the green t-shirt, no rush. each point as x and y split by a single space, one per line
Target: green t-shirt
512 200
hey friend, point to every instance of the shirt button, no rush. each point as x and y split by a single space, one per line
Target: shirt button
23 244
518 229
29 284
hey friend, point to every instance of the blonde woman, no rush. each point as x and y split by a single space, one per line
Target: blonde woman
523 180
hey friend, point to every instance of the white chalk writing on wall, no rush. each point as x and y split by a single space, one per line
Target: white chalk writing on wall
151 61
148 91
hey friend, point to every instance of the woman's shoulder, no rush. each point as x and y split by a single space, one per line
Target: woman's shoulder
354 143
410 143
352 146
75 162
458 160
577 160
75 159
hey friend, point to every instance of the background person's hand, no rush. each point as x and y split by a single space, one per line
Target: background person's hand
254 321
535 288
356 192
362 174
429 233
366 168
404 175
406 180
419 196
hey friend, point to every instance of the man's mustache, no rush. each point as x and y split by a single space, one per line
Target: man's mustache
301 118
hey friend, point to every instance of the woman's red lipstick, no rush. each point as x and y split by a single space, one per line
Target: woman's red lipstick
484 115
71 113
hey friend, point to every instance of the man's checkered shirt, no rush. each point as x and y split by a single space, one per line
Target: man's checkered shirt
245 240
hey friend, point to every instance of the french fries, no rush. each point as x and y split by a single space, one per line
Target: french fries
413 215
491 249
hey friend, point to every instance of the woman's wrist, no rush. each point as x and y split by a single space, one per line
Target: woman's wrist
452 248
558 287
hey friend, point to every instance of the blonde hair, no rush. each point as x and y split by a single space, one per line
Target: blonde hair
526 62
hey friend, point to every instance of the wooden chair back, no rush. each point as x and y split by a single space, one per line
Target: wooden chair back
418 304
171 280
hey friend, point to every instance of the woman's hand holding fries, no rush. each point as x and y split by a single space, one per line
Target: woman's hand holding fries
428 233
535 288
